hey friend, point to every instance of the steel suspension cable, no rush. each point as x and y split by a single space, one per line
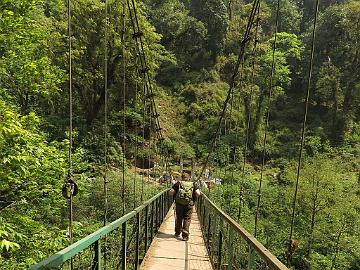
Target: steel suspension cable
248 121
71 123
150 129
124 107
143 143
232 83
273 66
105 125
136 134
230 128
306 105
140 46
227 131
145 63
105 111
237 123
136 35
70 189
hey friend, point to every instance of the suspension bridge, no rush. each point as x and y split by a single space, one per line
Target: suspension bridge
144 237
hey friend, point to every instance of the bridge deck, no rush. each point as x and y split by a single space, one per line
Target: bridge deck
167 252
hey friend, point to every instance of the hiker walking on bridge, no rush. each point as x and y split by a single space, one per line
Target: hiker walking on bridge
185 193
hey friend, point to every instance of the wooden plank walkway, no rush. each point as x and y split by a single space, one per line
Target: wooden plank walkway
167 252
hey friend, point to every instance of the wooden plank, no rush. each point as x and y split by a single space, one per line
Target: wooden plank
167 252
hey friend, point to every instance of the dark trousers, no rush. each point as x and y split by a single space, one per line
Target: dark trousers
183 219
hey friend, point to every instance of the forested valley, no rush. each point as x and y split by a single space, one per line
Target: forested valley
192 49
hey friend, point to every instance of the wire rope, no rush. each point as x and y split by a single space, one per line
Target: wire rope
105 111
136 35
248 121
124 108
143 143
237 123
229 149
149 155
273 66
71 124
105 125
145 63
152 108
232 83
136 133
251 94
306 105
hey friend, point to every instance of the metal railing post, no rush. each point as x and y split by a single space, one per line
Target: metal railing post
204 215
208 231
163 207
231 248
96 265
124 247
152 221
212 247
156 213
219 250
146 228
167 202
251 259
137 241
161 204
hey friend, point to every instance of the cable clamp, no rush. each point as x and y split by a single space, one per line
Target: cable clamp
70 188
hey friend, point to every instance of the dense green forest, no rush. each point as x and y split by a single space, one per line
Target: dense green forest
192 48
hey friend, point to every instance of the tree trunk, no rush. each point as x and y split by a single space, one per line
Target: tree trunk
335 137
257 121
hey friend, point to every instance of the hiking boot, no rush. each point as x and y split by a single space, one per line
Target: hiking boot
186 238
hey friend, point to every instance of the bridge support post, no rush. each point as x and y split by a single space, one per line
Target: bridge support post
204 214
137 241
214 241
146 228
163 207
156 214
96 265
209 232
231 248
220 249
251 259
124 247
152 221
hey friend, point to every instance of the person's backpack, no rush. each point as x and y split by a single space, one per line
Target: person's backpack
184 194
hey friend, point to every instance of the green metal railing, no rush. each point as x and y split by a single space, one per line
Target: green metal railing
119 245
229 245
